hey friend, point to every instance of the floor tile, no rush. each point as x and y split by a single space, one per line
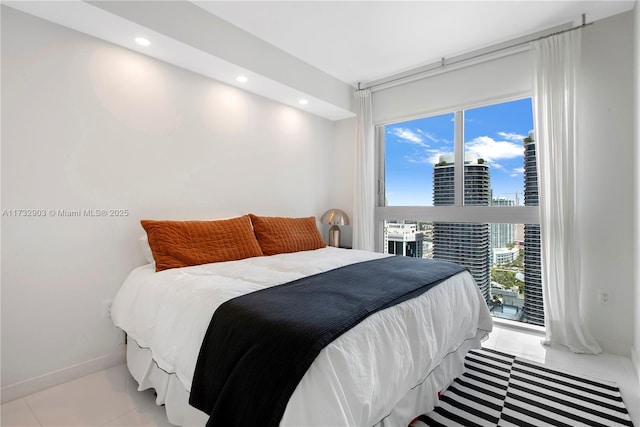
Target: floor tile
608 367
89 401
17 414
110 397
492 339
521 343
148 414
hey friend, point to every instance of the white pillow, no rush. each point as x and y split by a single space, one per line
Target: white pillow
146 249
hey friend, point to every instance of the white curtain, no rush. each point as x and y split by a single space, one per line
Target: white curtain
556 63
364 189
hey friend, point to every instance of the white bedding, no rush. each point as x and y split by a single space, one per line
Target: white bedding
391 352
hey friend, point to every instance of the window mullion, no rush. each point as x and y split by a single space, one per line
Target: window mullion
380 167
459 158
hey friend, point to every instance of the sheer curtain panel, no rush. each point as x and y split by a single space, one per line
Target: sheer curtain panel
556 63
364 191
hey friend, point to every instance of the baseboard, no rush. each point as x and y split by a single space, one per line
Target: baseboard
615 347
42 382
519 326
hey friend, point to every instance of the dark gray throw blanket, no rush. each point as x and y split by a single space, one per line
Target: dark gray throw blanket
259 346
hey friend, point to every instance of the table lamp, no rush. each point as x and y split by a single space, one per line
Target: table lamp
335 218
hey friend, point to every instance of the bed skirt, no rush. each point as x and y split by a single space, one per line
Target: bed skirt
172 393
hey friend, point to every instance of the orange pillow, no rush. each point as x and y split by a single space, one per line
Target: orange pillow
183 243
278 235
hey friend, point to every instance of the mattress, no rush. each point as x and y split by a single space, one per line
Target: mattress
384 371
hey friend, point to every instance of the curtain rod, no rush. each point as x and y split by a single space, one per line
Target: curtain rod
441 64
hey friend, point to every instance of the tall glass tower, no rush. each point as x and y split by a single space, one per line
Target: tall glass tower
464 243
502 234
533 304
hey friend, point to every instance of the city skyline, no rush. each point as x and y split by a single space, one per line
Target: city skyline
419 162
494 133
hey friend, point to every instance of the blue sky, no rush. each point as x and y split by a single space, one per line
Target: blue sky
494 133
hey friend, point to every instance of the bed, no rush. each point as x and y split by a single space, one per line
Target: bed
385 371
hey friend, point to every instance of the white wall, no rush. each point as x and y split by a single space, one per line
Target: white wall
606 157
606 174
342 174
89 125
635 356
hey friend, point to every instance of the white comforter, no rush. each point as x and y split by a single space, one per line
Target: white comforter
390 352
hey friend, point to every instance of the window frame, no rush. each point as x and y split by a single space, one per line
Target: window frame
457 212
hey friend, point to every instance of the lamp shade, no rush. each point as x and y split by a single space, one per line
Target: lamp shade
335 217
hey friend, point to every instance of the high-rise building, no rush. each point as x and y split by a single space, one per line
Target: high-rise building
426 228
464 243
533 303
502 234
504 256
403 239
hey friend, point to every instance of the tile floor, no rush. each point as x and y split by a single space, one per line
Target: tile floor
110 398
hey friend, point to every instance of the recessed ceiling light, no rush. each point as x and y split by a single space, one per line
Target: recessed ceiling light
303 102
242 79
142 41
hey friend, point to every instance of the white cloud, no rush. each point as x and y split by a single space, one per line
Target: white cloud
491 150
430 157
430 136
408 135
418 137
510 136
517 172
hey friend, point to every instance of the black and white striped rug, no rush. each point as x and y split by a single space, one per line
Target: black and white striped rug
500 389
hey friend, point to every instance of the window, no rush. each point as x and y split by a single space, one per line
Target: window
412 149
462 187
495 135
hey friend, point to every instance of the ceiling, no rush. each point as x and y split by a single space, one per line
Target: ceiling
360 41
316 50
